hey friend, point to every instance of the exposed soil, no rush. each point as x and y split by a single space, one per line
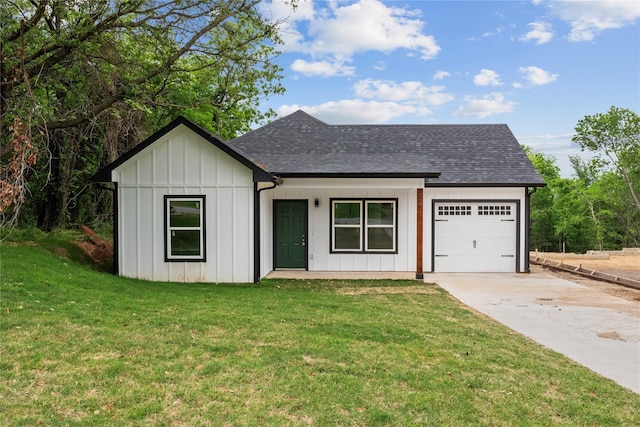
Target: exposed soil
98 249
388 290
606 287
627 265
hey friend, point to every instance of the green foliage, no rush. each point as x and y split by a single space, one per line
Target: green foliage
60 242
92 79
598 208
83 348
543 223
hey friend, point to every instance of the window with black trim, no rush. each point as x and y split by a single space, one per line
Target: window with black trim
364 225
185 228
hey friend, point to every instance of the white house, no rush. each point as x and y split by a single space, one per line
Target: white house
301 194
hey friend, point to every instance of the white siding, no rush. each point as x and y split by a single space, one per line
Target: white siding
318 240
471 194
183 163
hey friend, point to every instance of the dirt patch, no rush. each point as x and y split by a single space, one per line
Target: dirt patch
617 264
608 288
26 243
388 290
98 249
611 335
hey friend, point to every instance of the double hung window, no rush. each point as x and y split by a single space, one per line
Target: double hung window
185 228
364 225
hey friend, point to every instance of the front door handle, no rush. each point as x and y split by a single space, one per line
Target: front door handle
304 241
474 244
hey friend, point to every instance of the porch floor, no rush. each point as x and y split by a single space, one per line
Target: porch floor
353 275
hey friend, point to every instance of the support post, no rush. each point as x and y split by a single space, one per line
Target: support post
419 233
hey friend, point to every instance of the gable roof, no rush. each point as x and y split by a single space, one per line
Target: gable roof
300 145
259 174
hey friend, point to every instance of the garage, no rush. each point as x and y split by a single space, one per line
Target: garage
477 236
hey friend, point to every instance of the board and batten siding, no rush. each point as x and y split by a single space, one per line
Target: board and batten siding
183 163
474 194
319 255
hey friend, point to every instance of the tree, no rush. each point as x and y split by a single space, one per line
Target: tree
98 76
614 138
613 175
543 221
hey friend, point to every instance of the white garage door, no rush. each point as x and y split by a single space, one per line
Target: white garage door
475 237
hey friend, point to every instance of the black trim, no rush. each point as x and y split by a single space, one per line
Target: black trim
527 228
257 238
363 201
203 200
488 201
116 224
256 233
259 174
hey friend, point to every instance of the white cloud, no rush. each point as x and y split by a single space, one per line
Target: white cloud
537 76
366 25
488 105
407 92
440 75
540 32
322 68
497 31
487 78
559 146
590 18
354 111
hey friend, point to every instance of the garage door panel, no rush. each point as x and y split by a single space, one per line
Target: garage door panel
475 237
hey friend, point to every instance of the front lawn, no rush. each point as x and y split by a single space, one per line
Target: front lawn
82 348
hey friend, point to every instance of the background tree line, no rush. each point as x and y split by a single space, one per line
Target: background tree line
599 207
81 82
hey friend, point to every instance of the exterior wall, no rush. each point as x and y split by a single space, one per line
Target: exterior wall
318 240
183 163
472 194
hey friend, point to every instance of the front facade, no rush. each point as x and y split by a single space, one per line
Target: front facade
192 208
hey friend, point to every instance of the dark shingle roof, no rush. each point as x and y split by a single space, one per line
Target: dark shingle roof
300 145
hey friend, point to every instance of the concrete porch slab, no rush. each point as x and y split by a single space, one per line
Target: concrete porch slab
348 275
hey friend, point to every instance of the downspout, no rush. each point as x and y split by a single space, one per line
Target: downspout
103 186
256 226
527 230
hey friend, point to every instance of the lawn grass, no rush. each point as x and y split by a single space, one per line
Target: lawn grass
82 348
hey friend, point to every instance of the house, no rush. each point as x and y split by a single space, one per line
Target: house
302 194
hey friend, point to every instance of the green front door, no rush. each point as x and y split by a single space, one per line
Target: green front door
290 233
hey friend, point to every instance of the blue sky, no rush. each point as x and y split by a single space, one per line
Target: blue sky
538 66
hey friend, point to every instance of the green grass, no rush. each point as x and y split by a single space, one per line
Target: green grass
83 348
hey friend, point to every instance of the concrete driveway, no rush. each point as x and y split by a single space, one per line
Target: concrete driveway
597 330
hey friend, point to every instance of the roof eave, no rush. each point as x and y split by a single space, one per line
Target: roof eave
484 184
357 174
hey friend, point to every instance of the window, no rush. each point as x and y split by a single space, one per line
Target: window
503 210
454 210
363 225
185 230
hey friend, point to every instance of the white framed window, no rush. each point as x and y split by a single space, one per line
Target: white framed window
364 225
185 228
